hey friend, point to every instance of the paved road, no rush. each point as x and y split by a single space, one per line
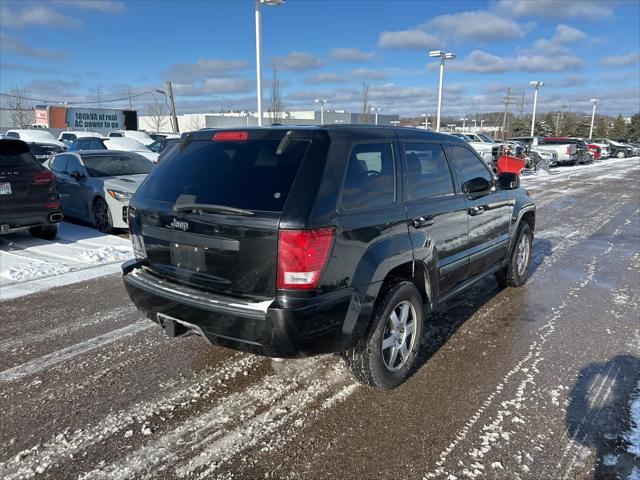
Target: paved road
532 383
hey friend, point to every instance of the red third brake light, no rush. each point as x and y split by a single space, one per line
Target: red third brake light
43 176
231 137
302 255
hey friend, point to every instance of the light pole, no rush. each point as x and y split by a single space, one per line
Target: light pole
593 115
475 124
443 57
271 3
322 102
426 120
376 110
464 123
481 125
536 84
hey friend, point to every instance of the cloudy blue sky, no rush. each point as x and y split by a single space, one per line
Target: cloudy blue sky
69 50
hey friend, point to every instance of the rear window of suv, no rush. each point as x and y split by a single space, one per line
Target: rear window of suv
15 154
249 175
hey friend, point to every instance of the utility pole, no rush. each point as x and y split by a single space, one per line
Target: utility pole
174 118
130 107
559 119
507 101
522 105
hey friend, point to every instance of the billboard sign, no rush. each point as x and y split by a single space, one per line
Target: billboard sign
79 117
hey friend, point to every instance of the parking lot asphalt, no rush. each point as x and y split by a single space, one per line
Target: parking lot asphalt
529 383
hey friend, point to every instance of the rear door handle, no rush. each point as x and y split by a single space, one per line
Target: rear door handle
477 210
422 222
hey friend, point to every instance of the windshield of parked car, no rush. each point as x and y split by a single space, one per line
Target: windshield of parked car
486 138
116 165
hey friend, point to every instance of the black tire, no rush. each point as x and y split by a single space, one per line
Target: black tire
510 275
367 360
102 216
48 232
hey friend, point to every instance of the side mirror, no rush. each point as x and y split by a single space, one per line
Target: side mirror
508 181
476 185
77 174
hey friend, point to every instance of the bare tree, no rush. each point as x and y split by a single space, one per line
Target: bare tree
21 110
193 122
158 115
275 102
365 103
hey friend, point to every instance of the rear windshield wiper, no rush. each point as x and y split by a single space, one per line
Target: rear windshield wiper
207 207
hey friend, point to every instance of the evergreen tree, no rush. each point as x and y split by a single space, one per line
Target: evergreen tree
600 129
619 128
544 129
520 128
633 129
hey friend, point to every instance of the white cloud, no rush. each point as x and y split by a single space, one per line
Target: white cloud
477 25
18 47
203 68
113 7
35 15
297 61
625 60
563 36
214 86
350 54
325 78
414 39
589 9
479 61
367 73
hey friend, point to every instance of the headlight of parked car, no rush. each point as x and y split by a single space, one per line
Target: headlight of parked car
120 195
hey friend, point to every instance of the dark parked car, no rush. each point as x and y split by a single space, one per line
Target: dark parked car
44 151
289 242
582 149
28 199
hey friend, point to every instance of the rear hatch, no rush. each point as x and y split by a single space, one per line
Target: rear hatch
23 181
208 215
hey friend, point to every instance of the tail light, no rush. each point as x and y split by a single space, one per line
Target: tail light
302 254
56 205
231 137
43 177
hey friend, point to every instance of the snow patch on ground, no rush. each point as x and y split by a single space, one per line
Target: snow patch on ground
33 270
633 436
105 255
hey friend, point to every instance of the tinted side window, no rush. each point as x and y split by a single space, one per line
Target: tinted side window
370 178
13 135
427 170
73 164
59 163
468 165
82 144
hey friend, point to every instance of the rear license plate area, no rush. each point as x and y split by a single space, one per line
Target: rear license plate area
5 188
188 257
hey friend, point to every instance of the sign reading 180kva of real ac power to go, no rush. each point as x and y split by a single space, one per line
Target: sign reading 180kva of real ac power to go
95 118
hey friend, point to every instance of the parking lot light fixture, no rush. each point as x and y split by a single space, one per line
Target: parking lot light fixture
376 110
270 3
536 84
322 102
464 122
594 101
443 57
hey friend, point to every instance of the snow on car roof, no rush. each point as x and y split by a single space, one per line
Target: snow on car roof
126 144
35 135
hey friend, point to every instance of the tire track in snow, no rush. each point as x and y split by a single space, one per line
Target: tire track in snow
65 445
32 338
236 423
37 365
492 432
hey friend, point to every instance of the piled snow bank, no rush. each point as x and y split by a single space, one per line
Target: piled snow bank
633 436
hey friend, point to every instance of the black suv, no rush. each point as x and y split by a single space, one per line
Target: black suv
28 199
289 242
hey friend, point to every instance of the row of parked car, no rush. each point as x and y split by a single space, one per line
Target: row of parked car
554 150
43 144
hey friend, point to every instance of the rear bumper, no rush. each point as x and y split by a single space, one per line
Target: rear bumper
13 222
311 327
